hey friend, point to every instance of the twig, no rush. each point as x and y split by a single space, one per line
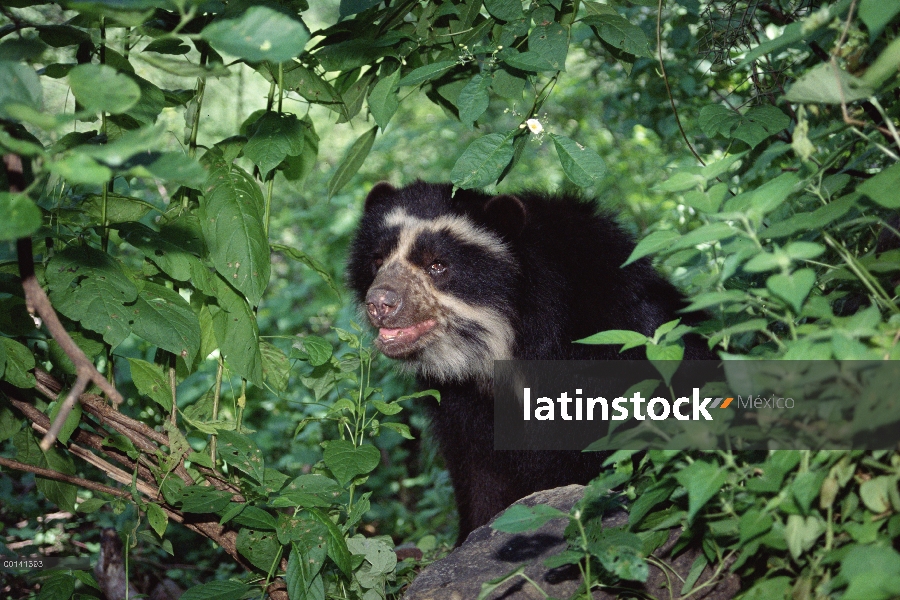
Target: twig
56 475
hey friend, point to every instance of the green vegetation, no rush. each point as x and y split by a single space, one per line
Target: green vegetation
182 179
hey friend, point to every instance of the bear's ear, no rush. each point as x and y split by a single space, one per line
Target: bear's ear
506 214
380 193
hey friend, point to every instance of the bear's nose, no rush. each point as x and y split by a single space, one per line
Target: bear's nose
381 303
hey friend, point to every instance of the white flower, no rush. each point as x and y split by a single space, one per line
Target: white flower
534 126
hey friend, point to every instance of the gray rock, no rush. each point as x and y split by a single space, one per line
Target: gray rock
488 554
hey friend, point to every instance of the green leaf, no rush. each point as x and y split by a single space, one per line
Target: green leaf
337 544
718 119
518 518
872 573
150 381
619 33
506 84
168 46
253 517
804 250
427 73
347 461
383 99
620 553
665 358
755 125
473 99
165 319
884 67
119 209
302 577
258 33
275 365
173 259
318 349
653 243
218 590
231 214
828 84
71 422
760 122
582 165
876 14
505 10
352 7
176 167
130 143
89 286
28 451
649 498
310 262
237 333
702 480
483 161
551 41
21 217
754 523
310 85
157 518
261 548
882 188
793 288
308 491
100 88
19 85
876 493
242 453
81 169
276 136
705 234
628 339
801 533
529 60
352 161
58 586
18 362
203 499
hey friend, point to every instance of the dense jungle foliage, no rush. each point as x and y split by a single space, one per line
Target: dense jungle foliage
182 177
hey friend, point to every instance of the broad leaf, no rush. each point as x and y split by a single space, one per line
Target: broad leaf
582 165
352 161
89 286
21 217
258 33
231 214
483 161
100 88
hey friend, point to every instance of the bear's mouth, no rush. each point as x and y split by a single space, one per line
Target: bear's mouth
400 341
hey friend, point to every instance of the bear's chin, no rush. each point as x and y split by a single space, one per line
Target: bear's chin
400 342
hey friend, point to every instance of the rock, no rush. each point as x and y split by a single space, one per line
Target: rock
488 554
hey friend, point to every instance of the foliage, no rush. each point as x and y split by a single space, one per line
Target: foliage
158 252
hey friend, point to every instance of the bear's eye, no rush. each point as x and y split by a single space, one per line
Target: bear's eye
377 262
436 268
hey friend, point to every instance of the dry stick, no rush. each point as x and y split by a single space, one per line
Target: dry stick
40 421
36 301
56 475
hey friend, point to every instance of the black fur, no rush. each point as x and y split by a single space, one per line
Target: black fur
561 280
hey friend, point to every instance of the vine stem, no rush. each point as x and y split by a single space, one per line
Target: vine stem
662 68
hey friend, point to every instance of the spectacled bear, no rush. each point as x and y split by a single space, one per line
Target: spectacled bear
453 282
